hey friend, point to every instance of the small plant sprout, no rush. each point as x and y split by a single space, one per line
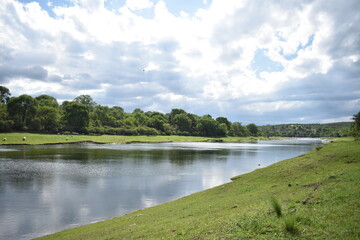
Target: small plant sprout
277 207
289 225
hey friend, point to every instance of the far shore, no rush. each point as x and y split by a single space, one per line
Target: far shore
24 138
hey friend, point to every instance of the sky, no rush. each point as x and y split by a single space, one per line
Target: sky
252 61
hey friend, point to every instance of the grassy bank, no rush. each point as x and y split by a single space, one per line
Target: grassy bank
31 138
313 196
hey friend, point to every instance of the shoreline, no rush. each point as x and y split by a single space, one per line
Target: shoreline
16 139
212 212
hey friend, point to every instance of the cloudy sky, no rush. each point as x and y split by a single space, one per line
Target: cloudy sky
261 61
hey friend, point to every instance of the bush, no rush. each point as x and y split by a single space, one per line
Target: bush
6 125
147 131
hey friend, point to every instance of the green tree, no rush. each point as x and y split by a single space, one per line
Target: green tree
6 123
138 110
49 118
4 95
46 100
253 129
225 121
209 127
237 130
76 117
157 122
223 129
175 112
117 112
182 123
102 115
356 125
22 110
48 114
140 118
85 100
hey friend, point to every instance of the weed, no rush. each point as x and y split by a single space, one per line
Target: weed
277 207
289 225
318 148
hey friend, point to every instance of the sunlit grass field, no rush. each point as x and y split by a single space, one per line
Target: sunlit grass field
312 196
31 138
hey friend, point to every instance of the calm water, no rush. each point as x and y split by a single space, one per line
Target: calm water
44 189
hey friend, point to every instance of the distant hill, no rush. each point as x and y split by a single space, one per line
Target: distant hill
338 129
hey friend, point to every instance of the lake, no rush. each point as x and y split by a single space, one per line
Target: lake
48 188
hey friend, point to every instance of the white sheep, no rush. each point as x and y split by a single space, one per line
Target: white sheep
4 139
24 138
67 139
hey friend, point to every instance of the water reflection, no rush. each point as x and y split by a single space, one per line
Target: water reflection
44 189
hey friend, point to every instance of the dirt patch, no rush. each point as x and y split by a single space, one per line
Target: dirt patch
313 185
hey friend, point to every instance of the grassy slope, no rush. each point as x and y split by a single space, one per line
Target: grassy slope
321 202
31 138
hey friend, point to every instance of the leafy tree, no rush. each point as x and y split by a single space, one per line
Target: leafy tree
5 122
157 122
46 100
356 125
225 121
76 117
194 119
117 112
140 118
175 112
102 115
64 103
85 100
138 110
182 123
22 110
209 127
223 129
49 118
236 129
130 121
253 129
4 95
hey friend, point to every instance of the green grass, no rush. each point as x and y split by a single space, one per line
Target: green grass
31 138
319 194
290 225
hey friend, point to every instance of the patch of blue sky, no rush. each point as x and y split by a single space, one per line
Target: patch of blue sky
188 6
262 63
290 57
281 38
147 13
48 5
308 44
114 5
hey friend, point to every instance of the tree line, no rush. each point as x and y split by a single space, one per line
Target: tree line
83 115
339 129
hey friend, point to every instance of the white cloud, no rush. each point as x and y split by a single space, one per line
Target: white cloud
190 61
